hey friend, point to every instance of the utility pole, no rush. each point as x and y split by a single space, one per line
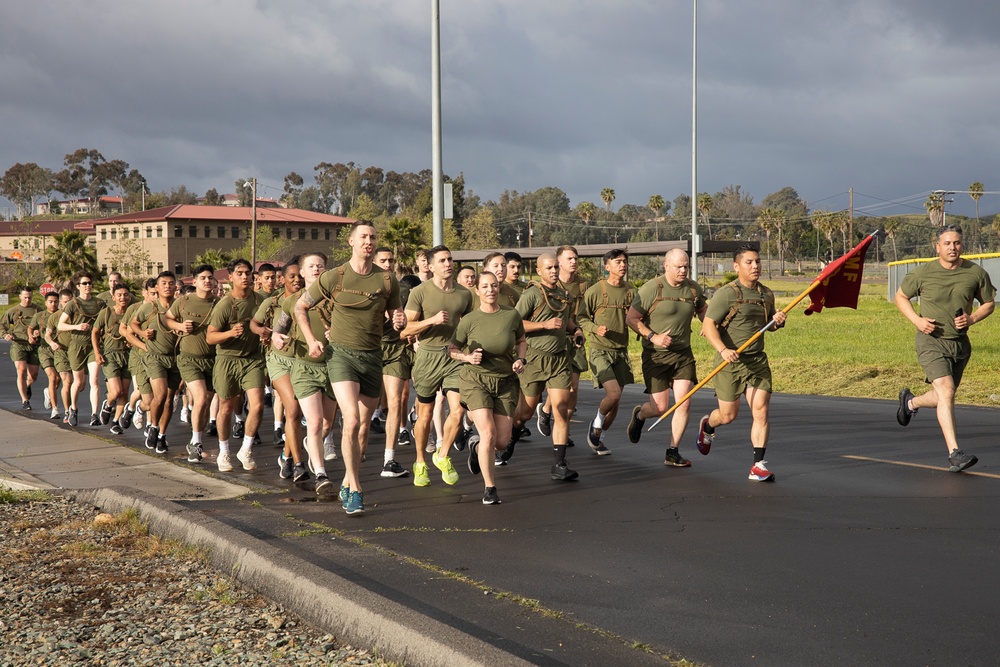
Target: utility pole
530 232
694 144
252 184
850 192
437 187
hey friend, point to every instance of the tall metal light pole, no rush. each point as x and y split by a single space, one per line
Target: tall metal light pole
252 184
695 244
437 171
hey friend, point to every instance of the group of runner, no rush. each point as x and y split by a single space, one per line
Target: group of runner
480 354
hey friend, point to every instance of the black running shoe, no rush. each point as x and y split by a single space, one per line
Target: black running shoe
126 419
25 405
462 439
378 426
673 458
238 429
474 455
506 454
959 460
299 473
286 467
324 487
152 433
105 414
161 445
635 425
543 420
525 433
279 437
212 429
404 438
116 429
95 420
904 413
491 497
393 469
562 473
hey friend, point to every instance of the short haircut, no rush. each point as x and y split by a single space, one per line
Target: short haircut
512 256
166 274
360 223
54 295
948 228
466 267
432 253
66 292
382 248
615 253
421 253
288 266
188 289
26 288
312 254
150 283
564 249
121 286
239 261
410 280
202 268
114 273
266 266
742 249
493 255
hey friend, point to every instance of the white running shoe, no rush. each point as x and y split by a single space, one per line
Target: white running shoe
139 418
225 465
329 451
245 457
184 415
48 403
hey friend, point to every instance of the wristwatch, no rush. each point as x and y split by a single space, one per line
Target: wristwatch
650 336
524 362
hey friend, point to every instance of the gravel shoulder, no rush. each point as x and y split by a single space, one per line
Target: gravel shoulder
81 587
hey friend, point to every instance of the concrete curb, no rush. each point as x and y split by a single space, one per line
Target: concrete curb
331 603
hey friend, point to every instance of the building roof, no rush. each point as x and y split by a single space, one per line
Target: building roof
44 227
195 213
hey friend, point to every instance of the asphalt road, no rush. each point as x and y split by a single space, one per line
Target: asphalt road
864 551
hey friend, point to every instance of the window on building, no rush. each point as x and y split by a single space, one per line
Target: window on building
288 233
135 232
149 232
302 233
326 233
178 268
314 233
222 232
208 231
193 231
149 268
236 232
114 234
177 231
104 268
17 244
159 232
104 235
124 233
159 268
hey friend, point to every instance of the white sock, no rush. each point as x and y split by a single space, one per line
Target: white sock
278 425
319 470
223 446
599 420
247 442
390 455
196 437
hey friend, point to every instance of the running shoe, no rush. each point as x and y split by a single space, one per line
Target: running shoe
106 412
355 504
74 418
28 391
138 418
161 445
269 399
245 456
378 425
404 438
238 429
47 402
491 497
25 405
345 494
448 473
393 469
420 475
525 433
595 442
570 443
55 413
279 437
116 429
704 439
562 473
498 461
95 420
299 473
152 433
412 416
959 460
673 458
185 414
225 465
329 451
635 425
324 487
543 421
286 467
211 429
462 439
760 473
474 455
194 452
126 419
905 413
506 454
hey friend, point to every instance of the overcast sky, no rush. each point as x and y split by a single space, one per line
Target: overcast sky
891 97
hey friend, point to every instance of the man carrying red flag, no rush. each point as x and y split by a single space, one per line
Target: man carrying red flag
840 282
946 288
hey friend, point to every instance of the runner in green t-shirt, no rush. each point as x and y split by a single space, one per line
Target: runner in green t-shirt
23 346
357 295
490 340
239 363
433 310
111 351
46 356
661 315
602 317
948 288
142 391
58 342
160 361
737 311
77 318
188 317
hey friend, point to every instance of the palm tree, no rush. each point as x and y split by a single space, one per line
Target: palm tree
705 204
891 227
824 222
935 208
996 224
404 237
976 191
70 252
766 222
607 196
586 210
780 218
655 205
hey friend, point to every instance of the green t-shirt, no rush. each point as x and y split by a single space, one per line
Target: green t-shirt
942 292
229 312
107 323
389 333
507 296
540 304
150 317
192 308
16 320
673 308
427 300
576 289
517 287
495 333
38 323
52 324
268 313
756 307
80 311
357 308
606 305
297 341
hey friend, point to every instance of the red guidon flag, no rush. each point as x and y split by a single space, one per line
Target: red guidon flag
840 282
